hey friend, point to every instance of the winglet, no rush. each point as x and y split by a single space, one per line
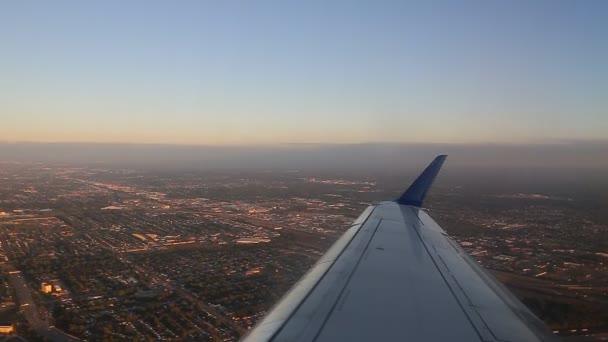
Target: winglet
414 195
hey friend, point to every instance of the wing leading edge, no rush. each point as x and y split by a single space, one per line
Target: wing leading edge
396 275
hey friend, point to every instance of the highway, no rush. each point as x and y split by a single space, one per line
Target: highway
29 310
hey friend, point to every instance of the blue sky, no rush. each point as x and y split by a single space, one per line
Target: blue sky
266 72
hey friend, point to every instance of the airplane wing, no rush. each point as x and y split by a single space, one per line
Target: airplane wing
396 275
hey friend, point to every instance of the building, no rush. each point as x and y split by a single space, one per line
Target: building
7 329
46 288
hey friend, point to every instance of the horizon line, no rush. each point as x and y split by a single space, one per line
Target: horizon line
547 142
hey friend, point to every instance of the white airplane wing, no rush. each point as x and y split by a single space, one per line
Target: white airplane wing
395 275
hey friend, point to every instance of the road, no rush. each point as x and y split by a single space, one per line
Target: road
29 310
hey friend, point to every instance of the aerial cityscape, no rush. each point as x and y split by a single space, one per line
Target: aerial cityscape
270 170
106 253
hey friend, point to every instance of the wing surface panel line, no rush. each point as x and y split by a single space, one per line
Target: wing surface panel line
339 297
416 229
362 224
466 296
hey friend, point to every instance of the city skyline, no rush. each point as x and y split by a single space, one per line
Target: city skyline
281 72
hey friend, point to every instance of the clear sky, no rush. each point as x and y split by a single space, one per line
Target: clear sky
264 72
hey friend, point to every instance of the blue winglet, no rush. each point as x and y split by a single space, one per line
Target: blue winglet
414 195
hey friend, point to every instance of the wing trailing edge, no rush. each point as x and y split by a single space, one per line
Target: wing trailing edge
415 194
